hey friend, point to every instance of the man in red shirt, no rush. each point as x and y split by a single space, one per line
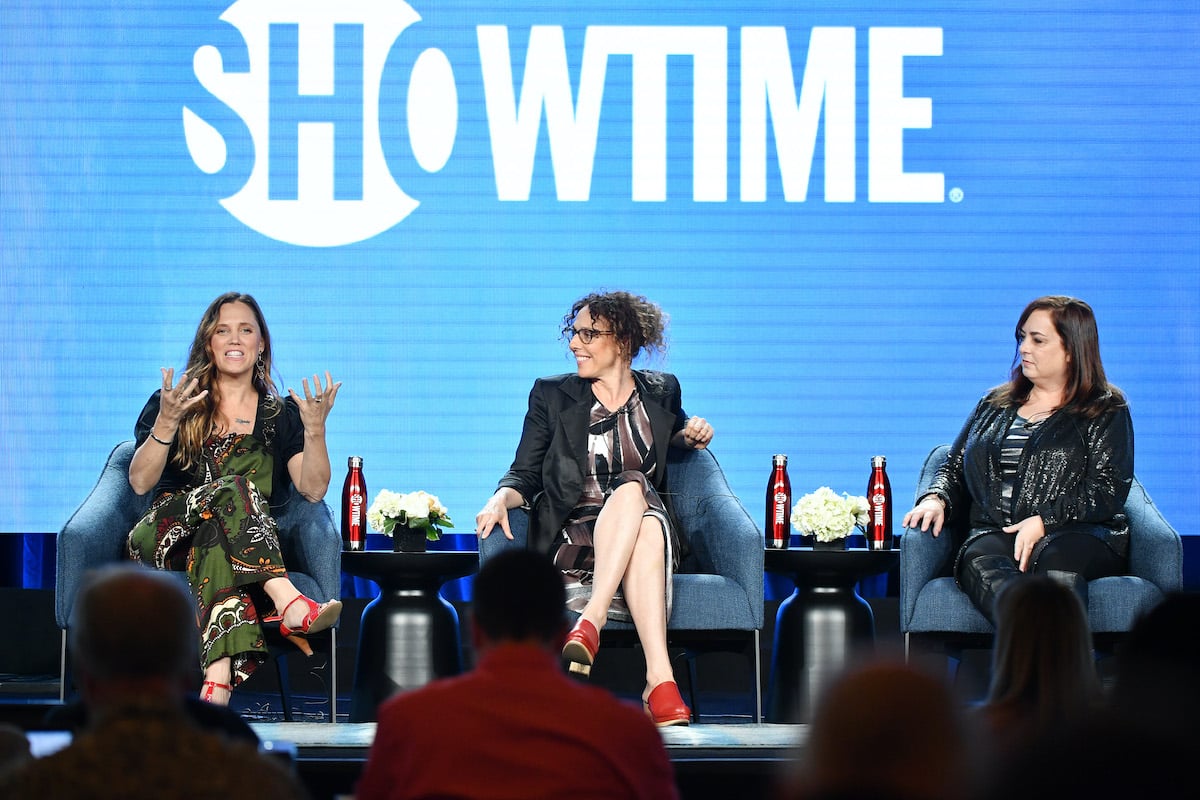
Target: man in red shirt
516 726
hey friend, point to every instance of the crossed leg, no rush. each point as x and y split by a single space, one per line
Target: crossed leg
630 552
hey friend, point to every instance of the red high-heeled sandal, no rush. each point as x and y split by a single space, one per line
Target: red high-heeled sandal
208 687
318 618
666 707
583 643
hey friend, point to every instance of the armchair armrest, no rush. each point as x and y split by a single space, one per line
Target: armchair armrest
723 537
497 542
95 534
1155 549
922 557
310 543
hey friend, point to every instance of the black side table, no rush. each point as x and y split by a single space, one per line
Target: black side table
409 633
819 627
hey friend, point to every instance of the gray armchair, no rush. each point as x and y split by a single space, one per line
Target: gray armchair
718 590
932 607
95 535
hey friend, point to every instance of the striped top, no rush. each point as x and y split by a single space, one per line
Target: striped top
1010 456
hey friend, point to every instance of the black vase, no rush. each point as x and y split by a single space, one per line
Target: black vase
836 544
408 540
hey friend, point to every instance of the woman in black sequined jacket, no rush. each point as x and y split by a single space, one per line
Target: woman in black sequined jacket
1043 465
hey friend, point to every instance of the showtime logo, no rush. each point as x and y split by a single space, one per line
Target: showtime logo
320 177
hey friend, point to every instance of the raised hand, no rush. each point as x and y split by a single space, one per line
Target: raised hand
317 402
174 401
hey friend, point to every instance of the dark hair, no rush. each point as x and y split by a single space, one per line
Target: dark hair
1042 655
1156 665
132 622
200 421
639 324
519 595
1088 392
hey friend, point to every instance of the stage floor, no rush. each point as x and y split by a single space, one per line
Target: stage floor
749 740
711 760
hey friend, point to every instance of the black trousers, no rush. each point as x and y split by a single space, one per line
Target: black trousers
987 564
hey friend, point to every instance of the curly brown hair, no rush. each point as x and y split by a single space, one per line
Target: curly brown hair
638 324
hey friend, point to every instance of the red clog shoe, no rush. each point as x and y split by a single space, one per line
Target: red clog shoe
583 642
666 707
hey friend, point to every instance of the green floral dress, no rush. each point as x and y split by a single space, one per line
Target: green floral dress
222 535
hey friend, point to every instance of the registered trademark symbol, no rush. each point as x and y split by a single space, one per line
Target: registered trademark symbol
956 195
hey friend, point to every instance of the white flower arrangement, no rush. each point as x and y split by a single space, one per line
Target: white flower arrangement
828 517
414 510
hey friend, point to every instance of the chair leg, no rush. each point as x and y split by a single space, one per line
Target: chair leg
690 657
333 683
63 674
758 715
285 686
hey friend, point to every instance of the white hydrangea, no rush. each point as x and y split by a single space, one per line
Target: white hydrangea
418 509
827 516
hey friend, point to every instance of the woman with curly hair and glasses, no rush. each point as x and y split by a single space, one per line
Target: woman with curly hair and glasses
591 468
217 448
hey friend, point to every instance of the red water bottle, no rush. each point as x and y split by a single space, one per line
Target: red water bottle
778 527
354 507
879 502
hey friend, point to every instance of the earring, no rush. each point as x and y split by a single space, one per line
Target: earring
260 370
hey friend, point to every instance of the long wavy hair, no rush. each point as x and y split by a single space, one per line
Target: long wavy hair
201 420
638 324
1088 392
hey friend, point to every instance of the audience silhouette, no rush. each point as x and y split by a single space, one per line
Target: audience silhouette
517 725
884 730
1043 669
136 660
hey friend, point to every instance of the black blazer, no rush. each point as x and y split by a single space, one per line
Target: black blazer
549 466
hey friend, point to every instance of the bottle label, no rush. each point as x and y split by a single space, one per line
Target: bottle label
781 508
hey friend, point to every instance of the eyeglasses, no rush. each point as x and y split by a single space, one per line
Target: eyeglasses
586 335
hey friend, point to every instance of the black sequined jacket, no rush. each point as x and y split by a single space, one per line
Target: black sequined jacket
1074 473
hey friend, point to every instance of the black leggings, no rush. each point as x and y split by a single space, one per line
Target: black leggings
1068 551
987 564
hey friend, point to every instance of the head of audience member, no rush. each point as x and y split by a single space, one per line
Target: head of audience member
884 730
14 749
133 637
1098 757
519 598
1156 686
1043 670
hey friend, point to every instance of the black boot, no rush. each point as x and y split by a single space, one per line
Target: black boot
981 579
1073 581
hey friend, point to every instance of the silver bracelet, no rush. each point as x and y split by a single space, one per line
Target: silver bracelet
160 441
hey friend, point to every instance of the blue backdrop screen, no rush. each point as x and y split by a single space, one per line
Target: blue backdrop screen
842 205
